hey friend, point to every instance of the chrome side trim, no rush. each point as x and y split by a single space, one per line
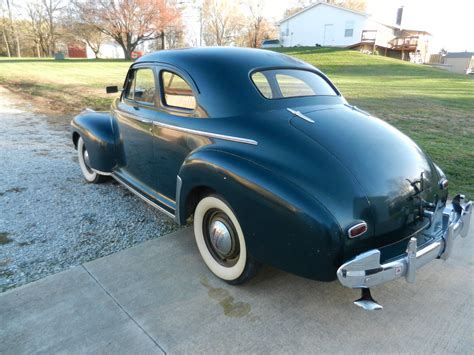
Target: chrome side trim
300 115
179 184
207 134
193 131
144 198
101 172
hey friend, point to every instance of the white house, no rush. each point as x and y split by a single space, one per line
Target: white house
323 24
335 26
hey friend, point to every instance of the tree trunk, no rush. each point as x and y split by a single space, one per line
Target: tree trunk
6 43
13 30
162 35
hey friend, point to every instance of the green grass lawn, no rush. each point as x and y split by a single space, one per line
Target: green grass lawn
434 107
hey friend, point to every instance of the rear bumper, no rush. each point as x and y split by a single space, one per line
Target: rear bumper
365 270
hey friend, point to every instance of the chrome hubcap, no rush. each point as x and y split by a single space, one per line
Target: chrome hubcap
220 237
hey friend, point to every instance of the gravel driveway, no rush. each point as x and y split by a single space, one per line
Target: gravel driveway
50 218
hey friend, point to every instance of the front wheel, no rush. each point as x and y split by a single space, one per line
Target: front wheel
90 175
221 242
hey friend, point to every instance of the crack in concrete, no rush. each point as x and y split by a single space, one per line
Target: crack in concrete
124 310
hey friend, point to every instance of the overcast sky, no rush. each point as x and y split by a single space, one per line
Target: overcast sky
451 22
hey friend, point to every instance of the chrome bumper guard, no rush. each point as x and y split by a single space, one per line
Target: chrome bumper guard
365 270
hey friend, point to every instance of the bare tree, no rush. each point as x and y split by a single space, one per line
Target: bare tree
297 8
257 27
128 22
357 5
75 30
38 28
221 21
51 8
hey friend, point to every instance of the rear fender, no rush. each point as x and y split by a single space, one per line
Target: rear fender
97 131
283 226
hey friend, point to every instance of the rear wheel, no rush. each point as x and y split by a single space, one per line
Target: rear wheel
90 175
221 242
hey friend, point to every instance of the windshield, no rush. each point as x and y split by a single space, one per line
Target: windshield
285 83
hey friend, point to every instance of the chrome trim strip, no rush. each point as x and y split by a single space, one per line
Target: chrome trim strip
300 115
179 184
144 198
194 131
101 172
207 134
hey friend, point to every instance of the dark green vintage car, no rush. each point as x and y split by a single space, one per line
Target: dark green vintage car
274 166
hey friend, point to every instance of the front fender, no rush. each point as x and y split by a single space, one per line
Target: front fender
283 226
96 129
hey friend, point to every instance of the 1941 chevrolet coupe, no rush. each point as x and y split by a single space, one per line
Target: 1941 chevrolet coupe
274 166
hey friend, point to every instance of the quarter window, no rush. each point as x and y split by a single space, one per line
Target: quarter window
142 88
177 92
262 84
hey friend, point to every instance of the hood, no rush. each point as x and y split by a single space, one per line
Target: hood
390 168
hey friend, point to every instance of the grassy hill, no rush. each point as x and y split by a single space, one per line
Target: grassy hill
434 107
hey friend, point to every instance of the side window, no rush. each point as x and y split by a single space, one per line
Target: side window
262 85
177 92
142 87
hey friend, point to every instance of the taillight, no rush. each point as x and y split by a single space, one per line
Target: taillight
357 230
443 184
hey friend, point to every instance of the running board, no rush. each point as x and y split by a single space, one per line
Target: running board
143 197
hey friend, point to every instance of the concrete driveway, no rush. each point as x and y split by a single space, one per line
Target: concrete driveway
160 297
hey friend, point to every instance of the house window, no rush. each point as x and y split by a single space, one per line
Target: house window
349 31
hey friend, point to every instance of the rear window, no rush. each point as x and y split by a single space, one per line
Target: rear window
285 83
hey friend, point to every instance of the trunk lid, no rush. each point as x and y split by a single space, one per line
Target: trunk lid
393 171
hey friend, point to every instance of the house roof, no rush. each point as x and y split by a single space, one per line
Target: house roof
460 55
326 4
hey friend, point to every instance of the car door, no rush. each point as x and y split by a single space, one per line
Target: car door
177 112
135 114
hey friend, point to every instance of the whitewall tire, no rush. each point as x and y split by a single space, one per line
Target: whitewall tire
83 155
221 242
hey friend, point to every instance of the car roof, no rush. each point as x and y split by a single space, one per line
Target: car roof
222 75
202 57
